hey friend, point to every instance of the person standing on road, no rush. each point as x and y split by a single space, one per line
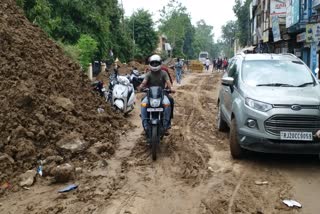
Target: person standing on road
207 64
178 67
225 64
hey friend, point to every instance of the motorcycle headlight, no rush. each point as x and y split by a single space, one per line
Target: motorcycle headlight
257 105
155 102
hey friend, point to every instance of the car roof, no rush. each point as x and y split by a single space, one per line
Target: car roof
268 56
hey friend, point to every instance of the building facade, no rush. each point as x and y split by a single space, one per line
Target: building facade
287 26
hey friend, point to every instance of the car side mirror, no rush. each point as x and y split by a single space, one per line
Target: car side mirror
228 81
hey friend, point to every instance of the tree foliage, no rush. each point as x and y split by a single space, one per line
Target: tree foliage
241 9
204 38
229 32
68 20
87 47
175 23
142 31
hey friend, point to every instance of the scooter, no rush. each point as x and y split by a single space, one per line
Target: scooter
136 78
155 108
123 96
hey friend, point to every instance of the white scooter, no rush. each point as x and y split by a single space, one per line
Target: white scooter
123 96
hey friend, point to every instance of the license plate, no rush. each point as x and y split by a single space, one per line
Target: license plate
154 109
299 136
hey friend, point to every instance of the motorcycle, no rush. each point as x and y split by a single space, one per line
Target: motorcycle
121 94
156 128
136 78
98 87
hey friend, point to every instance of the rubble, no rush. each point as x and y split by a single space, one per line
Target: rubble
45 98
27 179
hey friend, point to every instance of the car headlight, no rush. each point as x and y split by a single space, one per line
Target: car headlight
155 102
257 105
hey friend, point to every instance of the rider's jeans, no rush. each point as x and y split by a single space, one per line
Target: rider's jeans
167 113
178 75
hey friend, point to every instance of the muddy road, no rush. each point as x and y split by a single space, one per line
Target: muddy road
194 173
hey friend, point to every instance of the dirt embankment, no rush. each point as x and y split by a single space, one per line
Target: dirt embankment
48 111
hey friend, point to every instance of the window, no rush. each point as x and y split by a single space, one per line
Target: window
276 73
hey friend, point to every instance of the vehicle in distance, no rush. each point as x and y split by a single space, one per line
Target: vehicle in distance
203 56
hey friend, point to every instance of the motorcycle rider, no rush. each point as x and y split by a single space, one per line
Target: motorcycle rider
156 77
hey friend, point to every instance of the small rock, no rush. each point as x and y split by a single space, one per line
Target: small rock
210 169
64 103
30 134
4 156
122 176
78 170
54 158
41 118
63 173
260 183
73 142
27 179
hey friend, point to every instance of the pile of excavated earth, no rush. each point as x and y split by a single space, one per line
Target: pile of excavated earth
48 113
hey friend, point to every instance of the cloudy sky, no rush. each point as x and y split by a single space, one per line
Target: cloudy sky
214 12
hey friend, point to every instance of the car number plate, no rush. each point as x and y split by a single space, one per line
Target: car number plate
302 136
154 109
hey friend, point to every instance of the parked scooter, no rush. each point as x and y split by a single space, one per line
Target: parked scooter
156 128
136 78
121 93
98 87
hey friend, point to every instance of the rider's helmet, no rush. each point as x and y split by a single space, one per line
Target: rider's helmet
155 63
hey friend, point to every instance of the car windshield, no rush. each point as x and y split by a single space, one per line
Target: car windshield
276 73
203 55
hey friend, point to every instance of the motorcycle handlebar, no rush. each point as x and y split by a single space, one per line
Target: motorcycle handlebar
147 90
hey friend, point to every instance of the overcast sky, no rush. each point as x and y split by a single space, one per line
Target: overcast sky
214 12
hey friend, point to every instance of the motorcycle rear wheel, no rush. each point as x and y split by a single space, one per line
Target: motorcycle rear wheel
155 140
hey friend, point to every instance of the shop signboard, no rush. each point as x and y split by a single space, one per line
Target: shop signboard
293 12
313 33
278 8
275 28
301 37
315 3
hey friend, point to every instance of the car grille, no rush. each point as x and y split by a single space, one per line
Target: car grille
301 123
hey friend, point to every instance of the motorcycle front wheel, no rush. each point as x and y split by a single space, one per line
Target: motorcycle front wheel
155 140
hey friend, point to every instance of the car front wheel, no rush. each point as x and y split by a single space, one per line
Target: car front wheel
236 151
222 126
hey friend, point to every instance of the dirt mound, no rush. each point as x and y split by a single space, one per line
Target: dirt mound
44 100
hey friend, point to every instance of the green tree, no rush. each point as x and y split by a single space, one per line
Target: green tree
175 23
241 9
67 20
203 38
87 47
142 31
229 32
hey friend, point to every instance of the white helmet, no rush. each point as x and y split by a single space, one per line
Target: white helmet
155 63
